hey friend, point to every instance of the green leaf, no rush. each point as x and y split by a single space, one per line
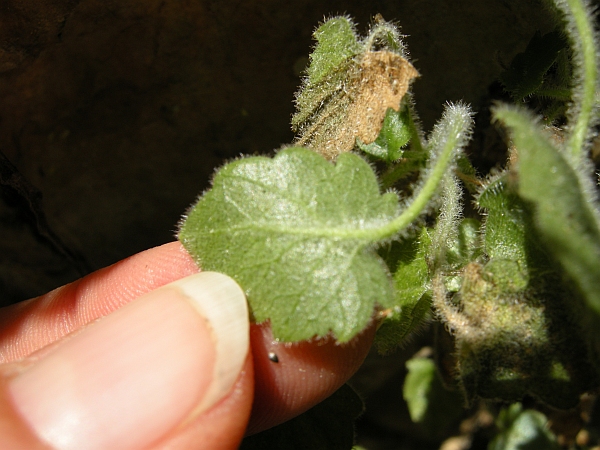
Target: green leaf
297 233
466 247
328 425
508 243
336 43
421 373
527 70
395 134
429 402
505 215
411 277
523 430
563 214
330 62
412 162
412 282
467 174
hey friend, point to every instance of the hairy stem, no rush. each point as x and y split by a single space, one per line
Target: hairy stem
581 32
449 136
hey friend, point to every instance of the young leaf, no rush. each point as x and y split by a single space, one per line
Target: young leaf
395 134
337 42
527 70
411 277
297 233
467 246
429 402
504 231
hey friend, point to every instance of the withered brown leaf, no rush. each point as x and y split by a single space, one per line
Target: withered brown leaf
354 106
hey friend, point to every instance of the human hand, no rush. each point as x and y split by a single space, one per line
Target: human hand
111 361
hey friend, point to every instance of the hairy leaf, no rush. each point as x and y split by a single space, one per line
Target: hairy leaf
562 212
466 248
527 70
297 233
395 134
504 230
337 42
412 282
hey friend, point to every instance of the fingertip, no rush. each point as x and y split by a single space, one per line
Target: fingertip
16 435
221 427
221 301
292 378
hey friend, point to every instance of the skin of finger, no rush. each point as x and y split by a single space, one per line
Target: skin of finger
221 427
28 326
15 434
305 373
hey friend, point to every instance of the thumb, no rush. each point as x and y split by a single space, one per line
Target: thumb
137 377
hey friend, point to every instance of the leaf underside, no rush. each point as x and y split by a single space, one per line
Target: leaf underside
297 233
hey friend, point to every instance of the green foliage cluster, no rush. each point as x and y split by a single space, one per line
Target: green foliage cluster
324 247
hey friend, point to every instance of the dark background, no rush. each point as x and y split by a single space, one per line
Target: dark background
117 112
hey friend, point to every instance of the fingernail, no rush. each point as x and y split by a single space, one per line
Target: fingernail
128 379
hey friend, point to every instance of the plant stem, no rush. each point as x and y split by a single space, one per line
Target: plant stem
415 133
400 169
581 32
446 229
428 189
